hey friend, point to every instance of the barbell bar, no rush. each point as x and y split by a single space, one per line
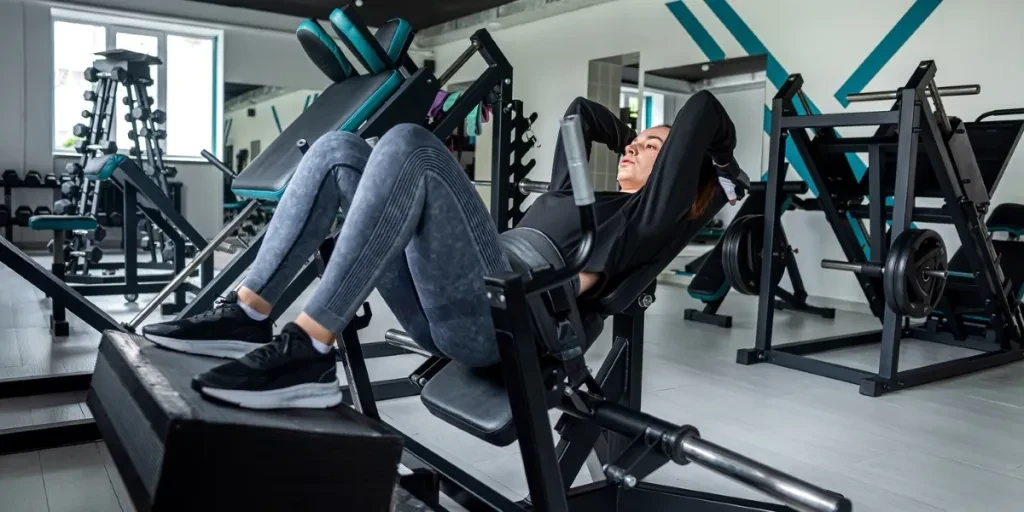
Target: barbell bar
876 270
949 90
526 186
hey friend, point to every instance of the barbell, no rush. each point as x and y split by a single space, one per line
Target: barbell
526 186
949 90
913 275
742 247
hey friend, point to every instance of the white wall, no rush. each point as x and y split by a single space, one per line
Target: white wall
971 41
259 48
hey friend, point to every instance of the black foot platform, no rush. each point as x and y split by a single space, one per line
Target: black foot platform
177 451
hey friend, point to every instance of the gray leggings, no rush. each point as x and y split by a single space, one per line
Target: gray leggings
415 229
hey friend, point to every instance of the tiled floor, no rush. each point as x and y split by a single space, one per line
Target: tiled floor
951 446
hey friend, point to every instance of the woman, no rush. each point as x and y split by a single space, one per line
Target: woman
416 229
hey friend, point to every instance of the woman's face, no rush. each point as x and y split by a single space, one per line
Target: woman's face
636 164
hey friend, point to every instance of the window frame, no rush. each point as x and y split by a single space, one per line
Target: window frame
154 27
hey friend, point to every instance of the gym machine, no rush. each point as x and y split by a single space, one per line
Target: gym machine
917 151
732 264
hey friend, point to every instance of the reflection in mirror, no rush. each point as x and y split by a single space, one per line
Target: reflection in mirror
739 84
612 82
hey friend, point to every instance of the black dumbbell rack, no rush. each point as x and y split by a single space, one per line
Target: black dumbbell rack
133 71
8 201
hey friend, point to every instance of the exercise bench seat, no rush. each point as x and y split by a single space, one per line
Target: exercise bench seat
475 400
62 223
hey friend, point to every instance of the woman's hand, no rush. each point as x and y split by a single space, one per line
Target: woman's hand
587 281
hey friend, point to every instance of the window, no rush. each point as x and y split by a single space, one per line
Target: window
654 106
185 86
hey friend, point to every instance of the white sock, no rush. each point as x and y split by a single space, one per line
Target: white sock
252 313
320 346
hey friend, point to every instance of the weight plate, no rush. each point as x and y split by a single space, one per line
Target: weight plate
910 288
742 247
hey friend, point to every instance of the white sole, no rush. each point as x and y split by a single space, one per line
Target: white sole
301 396
225 349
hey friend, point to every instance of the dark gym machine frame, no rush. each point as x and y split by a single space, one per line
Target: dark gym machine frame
958 176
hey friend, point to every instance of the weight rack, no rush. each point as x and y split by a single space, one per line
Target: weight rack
912 135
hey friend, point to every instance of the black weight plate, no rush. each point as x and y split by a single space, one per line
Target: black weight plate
742 247
909 290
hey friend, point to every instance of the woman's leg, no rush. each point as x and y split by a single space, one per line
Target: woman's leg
413 200
327 178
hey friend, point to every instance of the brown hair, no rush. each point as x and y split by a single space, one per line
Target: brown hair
705 192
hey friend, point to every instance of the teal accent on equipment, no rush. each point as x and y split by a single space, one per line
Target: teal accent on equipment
711 297
887 47
373 103
361 114
1016 231
61 223
697 32
350 32
318 31
277 120
398 42
237 205
113 161
964 275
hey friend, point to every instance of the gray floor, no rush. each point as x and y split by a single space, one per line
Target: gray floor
950 446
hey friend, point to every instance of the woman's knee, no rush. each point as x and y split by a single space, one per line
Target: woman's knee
405 144
334 149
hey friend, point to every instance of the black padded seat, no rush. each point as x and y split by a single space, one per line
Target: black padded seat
323 51
474 399
1007 218
343 106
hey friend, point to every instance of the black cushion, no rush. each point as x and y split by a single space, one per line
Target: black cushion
323 51
342 106
395 37
353 32
473 400
1008 218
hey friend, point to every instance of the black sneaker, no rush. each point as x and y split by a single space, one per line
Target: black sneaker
285 373
225 331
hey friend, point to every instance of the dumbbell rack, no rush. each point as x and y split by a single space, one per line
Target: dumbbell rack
133 71
8 201
522 142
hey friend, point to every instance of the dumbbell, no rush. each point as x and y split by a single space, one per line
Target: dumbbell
11 177
97 235
135 151
43 210
33 179
21 215
156 134
50 180
72 169
168 251
102 219
81 130
69 189
144 242
117 74
93 254
159 116
132 135
64 207
5 215
87 114
90 96
170 171
116 219
108 147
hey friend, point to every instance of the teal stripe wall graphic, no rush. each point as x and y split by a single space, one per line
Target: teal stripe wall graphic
305 105
700 35
887 48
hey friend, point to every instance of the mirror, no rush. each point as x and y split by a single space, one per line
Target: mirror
739 84
612 82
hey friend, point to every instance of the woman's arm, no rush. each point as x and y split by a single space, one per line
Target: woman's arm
599 125
702 128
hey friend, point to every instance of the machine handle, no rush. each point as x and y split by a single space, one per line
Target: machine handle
576 155
949 90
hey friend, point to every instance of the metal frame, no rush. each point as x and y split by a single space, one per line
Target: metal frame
918 127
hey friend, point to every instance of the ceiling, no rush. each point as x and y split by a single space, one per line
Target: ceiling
727 67
420 13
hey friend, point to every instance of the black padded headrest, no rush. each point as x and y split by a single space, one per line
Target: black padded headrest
365 46
323 51
395 37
